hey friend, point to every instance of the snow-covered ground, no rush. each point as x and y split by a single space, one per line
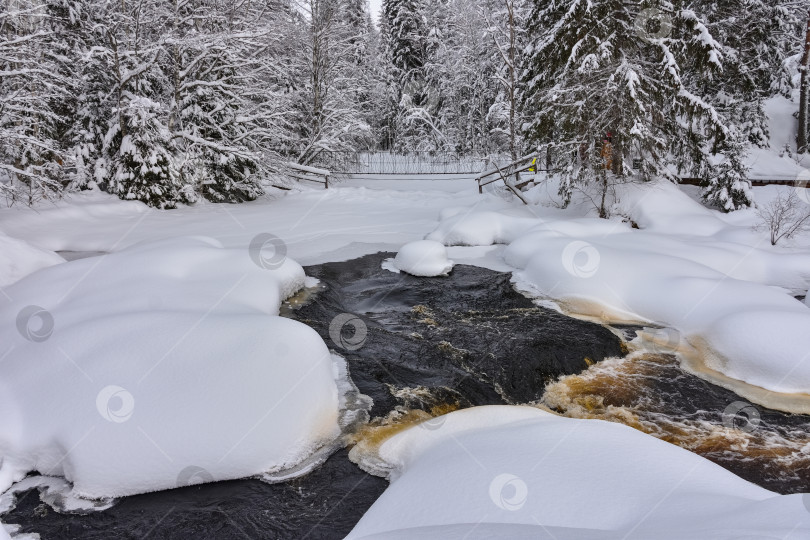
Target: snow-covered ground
317 225
176 333
520 472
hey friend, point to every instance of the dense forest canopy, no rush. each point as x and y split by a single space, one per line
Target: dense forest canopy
170 101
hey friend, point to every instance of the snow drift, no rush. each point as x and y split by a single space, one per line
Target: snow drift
18 259
520 472
161 365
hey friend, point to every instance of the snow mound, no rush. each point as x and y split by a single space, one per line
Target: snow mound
727 292
479 228
158 366
18 259
519 472
423 258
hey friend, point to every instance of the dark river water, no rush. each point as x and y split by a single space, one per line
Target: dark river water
433 345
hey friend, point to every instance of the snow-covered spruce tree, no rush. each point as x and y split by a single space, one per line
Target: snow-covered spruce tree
367 67
728 187
407 37
386 90
202 62
33 90
758 37
605 90
83 40
213 135
93 113
140 163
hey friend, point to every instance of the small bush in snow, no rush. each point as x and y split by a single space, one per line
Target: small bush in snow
784 217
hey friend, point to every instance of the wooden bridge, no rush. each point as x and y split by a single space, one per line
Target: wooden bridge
485 169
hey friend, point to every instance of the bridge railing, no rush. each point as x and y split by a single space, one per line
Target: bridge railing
411 163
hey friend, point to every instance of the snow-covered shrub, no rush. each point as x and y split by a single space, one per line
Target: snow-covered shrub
140 165
785 216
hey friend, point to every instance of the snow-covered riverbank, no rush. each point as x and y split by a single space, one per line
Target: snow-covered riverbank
691 269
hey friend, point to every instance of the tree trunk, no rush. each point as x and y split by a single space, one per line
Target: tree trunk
801 140
602 210
510 6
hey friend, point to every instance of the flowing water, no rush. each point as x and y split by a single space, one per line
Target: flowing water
421 347
650 392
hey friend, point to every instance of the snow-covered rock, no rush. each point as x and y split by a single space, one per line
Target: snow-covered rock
161 365
18 259
519 472
424 258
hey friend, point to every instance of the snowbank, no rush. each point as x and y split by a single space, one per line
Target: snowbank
424 258
685 268
161 365
519 472
18 259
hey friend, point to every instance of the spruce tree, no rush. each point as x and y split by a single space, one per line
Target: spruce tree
407 37
223 169
605 77
139 160
729 188
757 37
